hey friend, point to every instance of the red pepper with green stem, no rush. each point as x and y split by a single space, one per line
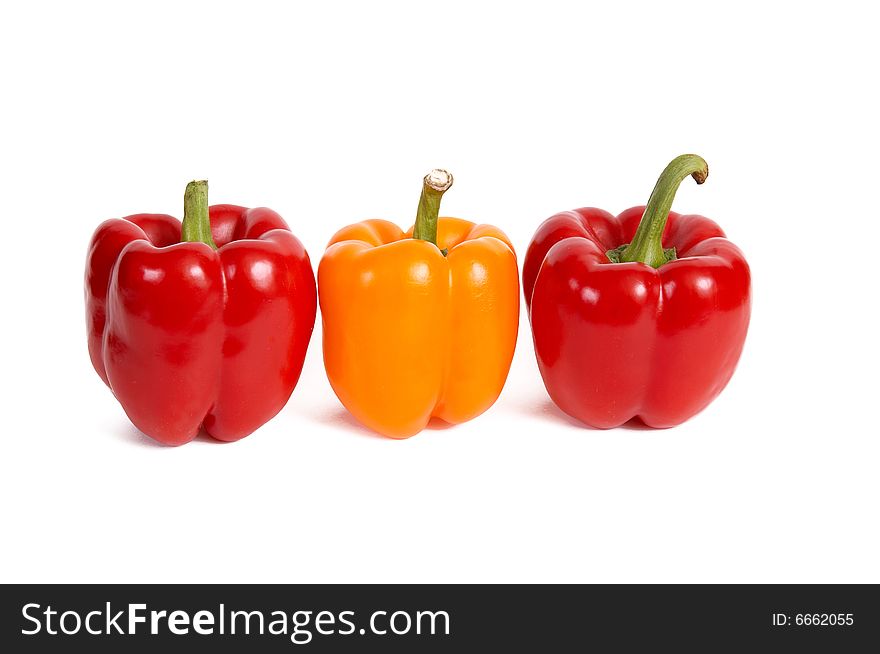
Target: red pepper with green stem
639 315
204 323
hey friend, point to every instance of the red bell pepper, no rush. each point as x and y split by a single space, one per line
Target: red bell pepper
640 315
209 331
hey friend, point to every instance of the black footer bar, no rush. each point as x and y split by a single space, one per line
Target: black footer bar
428 618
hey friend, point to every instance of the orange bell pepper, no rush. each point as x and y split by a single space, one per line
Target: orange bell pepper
419 324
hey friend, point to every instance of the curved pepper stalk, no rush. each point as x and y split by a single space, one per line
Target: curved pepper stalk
647 245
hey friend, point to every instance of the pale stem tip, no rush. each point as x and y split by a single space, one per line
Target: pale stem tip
439 179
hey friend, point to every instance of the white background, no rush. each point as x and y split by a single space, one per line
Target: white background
333 113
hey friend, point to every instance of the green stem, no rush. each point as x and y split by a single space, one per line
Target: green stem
435 184
196 223
647 244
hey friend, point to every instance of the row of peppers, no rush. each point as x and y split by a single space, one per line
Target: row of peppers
205 323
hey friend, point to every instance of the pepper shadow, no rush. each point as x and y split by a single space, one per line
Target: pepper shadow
341 418
547 407
436 424
544 406
135 436
635 424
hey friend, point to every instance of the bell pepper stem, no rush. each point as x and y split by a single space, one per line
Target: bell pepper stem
196 226
647 244
435 184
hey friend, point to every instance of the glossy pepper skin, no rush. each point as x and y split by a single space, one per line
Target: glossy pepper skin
186 335
411 333
616 341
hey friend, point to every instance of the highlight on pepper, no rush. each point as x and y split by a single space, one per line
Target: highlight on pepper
640 315
203 323
419 324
